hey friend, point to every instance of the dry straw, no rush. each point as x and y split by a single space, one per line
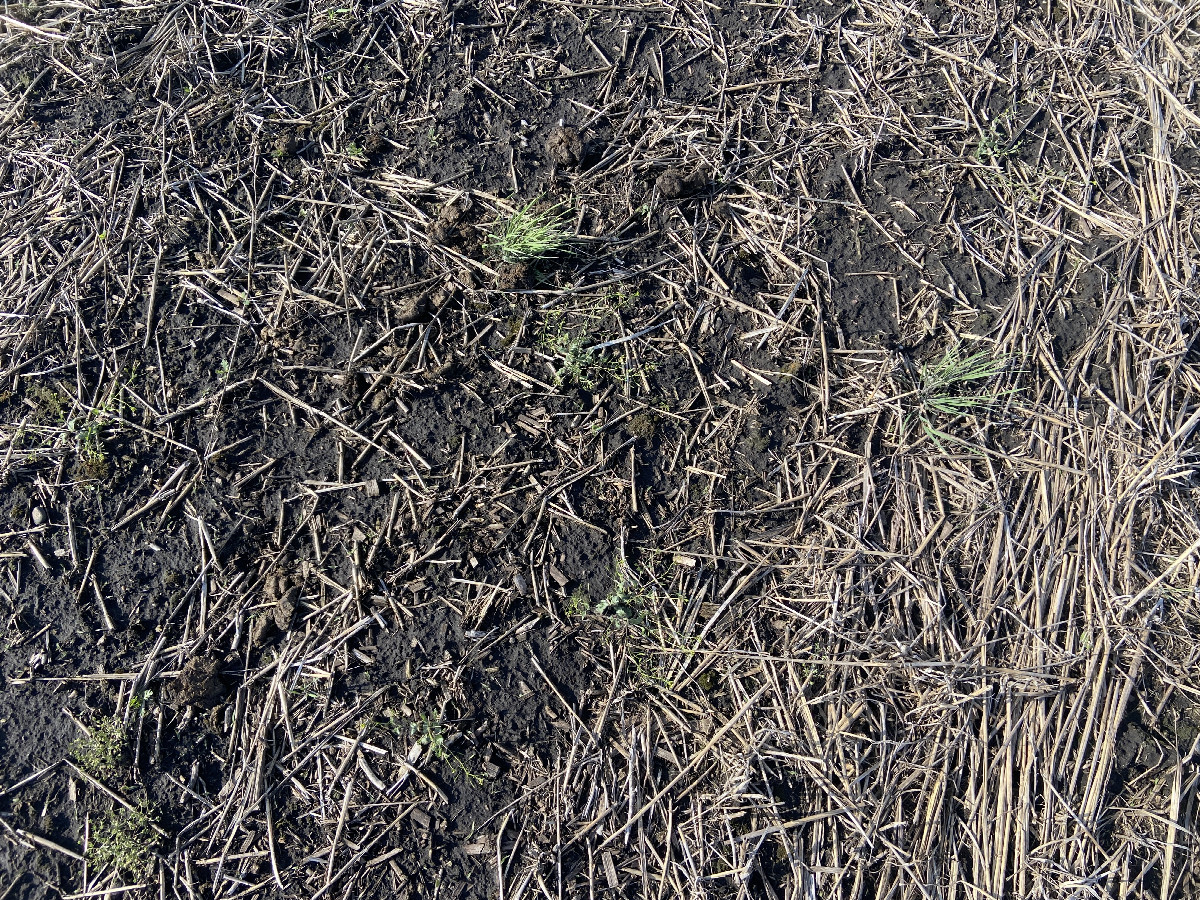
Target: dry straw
864 664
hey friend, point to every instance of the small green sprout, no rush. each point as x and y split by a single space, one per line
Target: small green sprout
89 440
124 839
994 146
577 604
528 235
709 681
100 753
431 734
953 386
627 599
581 365
50 406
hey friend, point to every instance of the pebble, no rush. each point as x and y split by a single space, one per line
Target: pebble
39 515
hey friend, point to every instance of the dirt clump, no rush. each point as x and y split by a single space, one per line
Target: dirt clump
512 276
565 147
199 682
452 225
674 185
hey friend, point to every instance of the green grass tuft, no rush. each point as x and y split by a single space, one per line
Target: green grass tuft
955 385
528 235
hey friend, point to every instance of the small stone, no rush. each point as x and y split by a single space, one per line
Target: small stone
39 515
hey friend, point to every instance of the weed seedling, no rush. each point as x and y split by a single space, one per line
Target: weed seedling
581 365
100 753
50 406
124 839
528 235
627 599
994 147
431 734
89 441
709 681
577 604
955 385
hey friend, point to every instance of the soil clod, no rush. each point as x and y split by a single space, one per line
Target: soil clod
452 225
199 683
674 185
512 276
565 147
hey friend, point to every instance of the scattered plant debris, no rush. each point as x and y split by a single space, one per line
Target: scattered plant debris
863 336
